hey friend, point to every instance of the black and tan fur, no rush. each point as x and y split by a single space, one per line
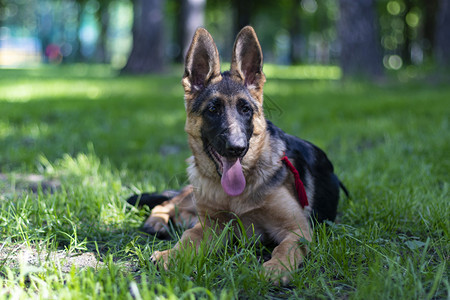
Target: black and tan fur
225 120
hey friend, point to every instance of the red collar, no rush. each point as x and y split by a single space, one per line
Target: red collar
302 198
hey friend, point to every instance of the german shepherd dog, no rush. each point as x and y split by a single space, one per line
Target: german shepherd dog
237 168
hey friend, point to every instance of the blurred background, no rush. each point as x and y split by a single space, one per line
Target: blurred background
364 37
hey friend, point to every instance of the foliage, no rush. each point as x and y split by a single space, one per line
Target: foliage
104 137
290 31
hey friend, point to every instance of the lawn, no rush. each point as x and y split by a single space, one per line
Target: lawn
76 141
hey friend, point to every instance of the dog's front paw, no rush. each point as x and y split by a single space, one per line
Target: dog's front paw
161 258
276 272
157 225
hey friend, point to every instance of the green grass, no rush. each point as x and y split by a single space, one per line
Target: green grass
105 137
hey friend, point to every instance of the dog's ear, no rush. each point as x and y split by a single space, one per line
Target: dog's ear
202 63
247 61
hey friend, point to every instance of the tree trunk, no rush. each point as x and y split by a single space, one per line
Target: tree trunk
357 30
102 54
406 47
77 55
429 8
147 53
442 48
192 16
294 33
2 8
243 14
45 32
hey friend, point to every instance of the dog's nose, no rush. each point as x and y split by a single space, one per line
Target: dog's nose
236 147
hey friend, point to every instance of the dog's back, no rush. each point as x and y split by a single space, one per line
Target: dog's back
316 172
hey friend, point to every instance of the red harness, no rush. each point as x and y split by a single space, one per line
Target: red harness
302 198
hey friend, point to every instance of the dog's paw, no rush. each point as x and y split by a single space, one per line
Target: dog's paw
161 258
156 225
277 273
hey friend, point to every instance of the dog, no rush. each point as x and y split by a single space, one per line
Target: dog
243 166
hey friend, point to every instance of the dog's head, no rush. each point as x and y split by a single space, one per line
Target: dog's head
224 110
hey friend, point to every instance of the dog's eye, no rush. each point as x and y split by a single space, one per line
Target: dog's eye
213 109
245 109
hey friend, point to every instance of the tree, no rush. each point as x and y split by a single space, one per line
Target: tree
77 56
102 15
407 34
429 9
192 16
147 53
357 31
243 13
294 32
2 9
442 47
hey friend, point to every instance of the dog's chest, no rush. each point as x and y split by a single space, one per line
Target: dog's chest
234 209
215 201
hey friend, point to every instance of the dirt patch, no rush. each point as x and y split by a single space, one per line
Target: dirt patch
15 256
19 183
24 256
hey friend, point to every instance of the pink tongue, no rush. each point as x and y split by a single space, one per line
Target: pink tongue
233 180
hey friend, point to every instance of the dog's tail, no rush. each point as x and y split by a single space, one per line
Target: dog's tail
342 186
151 199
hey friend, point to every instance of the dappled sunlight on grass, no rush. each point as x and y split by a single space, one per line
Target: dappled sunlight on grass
53 116
53 90
310 72
83 82
298 72
103 138
67 71
98 82
95 89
